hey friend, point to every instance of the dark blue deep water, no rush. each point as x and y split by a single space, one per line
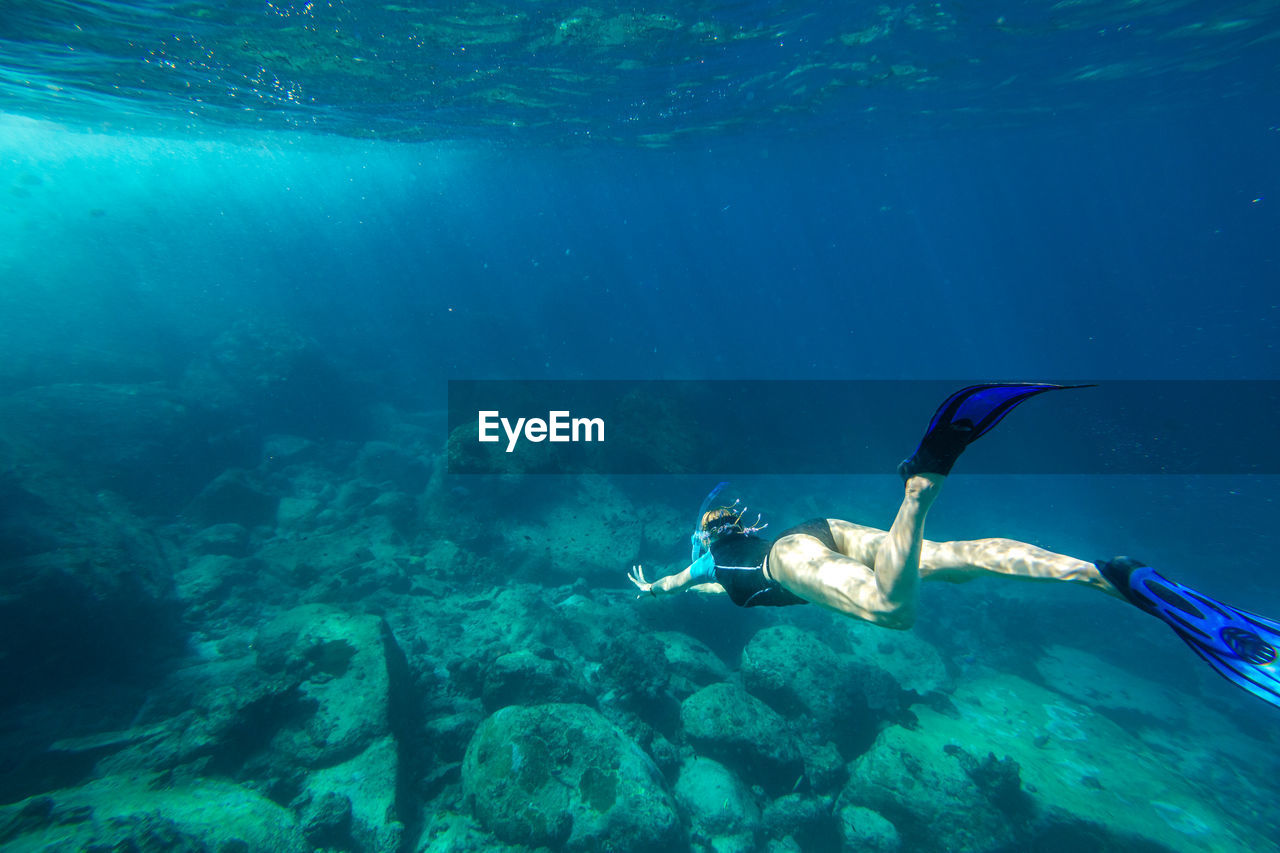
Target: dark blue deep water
243 249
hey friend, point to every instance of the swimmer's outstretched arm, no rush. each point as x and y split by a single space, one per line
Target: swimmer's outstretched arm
678 582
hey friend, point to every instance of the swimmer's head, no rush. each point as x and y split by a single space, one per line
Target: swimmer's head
728 521
712 524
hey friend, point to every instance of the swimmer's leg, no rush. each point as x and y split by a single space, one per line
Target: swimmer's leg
897 564
958 562
881 587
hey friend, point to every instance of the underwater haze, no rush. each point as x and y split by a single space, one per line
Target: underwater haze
244 248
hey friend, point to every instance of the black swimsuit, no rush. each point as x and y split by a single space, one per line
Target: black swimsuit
740 566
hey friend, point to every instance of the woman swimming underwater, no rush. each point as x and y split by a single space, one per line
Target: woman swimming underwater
875 575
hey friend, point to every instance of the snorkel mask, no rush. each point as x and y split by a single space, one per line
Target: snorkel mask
702 539
732 523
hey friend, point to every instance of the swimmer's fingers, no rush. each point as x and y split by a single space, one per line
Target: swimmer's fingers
636 576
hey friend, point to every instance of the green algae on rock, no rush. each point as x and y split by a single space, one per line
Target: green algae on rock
719 803
562 776
348 668
141 812
728 724
946 784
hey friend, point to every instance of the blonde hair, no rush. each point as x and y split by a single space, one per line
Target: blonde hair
726 521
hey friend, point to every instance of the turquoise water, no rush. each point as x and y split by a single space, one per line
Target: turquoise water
244 605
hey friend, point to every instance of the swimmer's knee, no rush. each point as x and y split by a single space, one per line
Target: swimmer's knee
900 618
899 623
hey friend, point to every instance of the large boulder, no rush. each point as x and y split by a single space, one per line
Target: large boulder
562 776
525 677
804 819
865 831
340 663
723 811
796 673
339 563
845 697
147 812
594 626
357 799
383 463
312 715
450 832
462 632
207 585
914 664
221 540
234 497
726 723
351 676
1012 765
932 794
690 663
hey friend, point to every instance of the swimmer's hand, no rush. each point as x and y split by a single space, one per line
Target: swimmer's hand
636 576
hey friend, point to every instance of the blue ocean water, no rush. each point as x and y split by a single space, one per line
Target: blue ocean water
244 248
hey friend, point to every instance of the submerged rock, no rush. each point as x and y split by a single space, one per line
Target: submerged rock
804 818
913 663
275 377
845 696
587 535
449 734
355 801
146 813
865 831
1015 766
297 515
87 586
234 497
1112 690
562 776
221 540
348 672
929 793
690 663
526 678
311 714
449 832
327 820
717 801
726 723
204 583
796 673
382 463
824 768
340 664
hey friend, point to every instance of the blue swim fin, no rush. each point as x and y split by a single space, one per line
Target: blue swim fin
1240 645
965 417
